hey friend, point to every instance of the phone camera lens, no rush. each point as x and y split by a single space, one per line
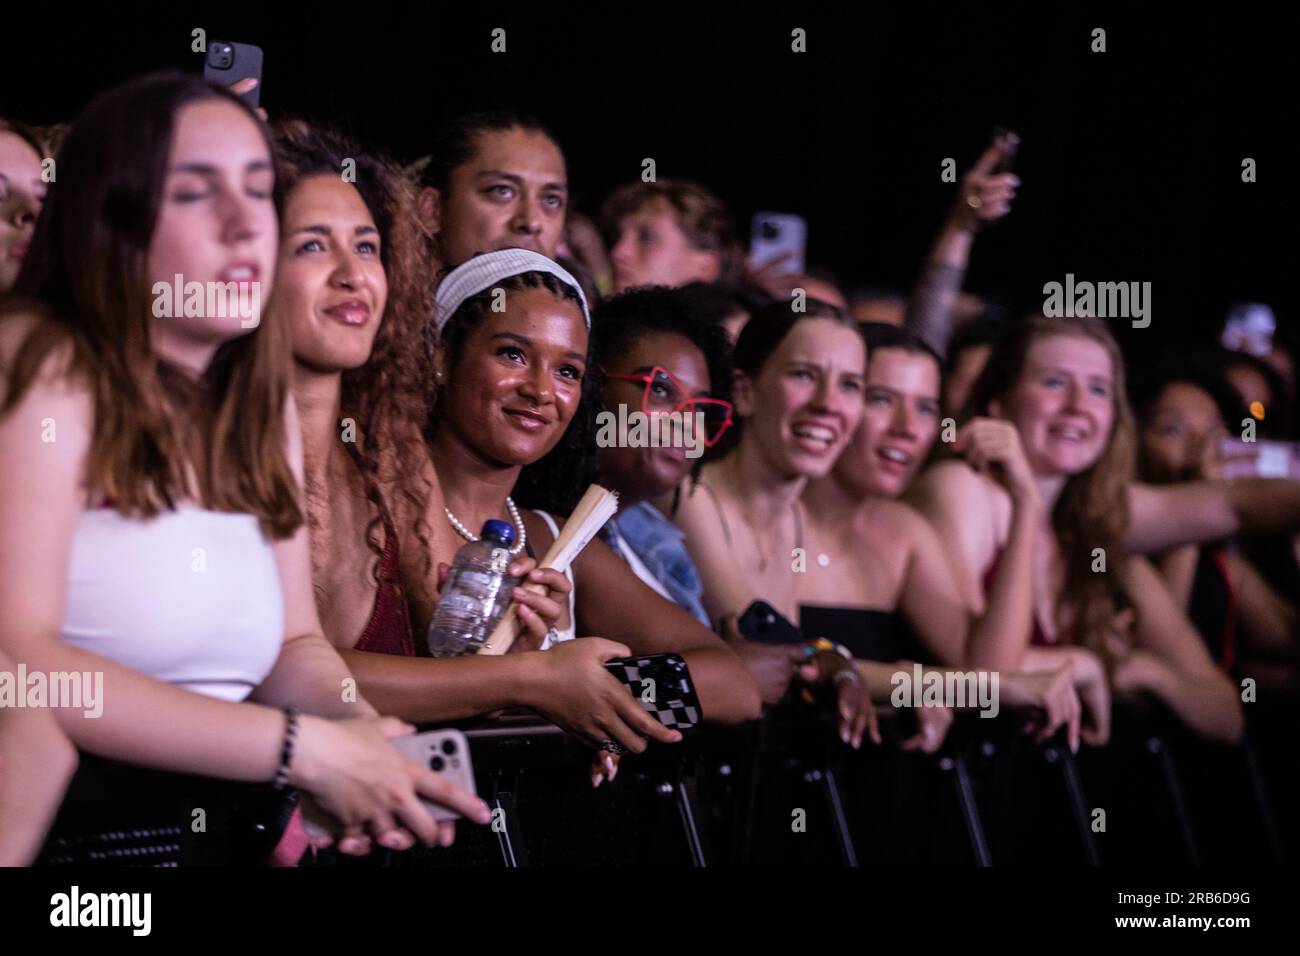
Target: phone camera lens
436 764
449 747
771 230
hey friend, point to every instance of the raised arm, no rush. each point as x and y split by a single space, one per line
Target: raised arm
985 196
1164 516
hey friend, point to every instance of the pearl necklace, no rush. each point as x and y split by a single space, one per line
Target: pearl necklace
514 516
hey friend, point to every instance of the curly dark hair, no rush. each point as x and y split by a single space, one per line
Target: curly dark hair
385 397
556 481
656 310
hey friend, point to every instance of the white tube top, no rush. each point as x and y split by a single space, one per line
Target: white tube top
191 597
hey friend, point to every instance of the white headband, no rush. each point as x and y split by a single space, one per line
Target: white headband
483 272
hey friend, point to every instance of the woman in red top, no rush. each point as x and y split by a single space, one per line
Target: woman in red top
352 291
1061 383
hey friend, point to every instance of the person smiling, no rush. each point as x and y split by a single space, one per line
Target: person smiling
515 419
1060 383
881 566
658 355
798 398
350 293
159 540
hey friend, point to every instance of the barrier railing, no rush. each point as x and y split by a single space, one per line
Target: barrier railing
780 791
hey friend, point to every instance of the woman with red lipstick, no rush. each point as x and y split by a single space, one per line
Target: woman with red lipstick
1061 384
22 190
512 432
150 526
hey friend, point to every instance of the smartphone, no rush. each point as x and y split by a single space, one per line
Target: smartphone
1009 153
442 751
764 623
662 683
1259 459
777 234
1249 327
229 62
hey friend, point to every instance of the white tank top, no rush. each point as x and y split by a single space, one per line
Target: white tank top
191 597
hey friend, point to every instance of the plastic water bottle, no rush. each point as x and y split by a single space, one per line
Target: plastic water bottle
477 593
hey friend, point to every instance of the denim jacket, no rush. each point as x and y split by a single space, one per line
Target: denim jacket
659 544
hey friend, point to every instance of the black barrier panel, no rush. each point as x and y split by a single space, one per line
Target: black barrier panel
782 791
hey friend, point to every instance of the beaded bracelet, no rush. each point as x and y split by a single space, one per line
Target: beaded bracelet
821 644
286 752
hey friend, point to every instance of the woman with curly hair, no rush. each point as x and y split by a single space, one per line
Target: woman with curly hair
351 291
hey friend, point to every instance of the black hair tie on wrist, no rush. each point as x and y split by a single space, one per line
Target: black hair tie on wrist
281 780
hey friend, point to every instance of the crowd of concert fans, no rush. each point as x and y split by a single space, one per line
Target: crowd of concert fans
235 520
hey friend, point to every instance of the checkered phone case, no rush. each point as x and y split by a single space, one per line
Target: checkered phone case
662 683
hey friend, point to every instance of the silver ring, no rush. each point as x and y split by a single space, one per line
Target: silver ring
612 746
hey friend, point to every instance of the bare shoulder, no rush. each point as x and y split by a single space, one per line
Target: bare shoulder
896 520
19 326
950 481
697 508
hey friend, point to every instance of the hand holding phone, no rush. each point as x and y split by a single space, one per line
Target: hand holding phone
442 751
662 684
1258 459
229 63
777 243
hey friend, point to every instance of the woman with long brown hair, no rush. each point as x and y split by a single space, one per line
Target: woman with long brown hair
1061 383
151 528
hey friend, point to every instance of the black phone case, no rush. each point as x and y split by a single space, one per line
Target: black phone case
247 62
675 703
764 623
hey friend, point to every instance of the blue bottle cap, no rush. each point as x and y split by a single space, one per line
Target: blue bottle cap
502 531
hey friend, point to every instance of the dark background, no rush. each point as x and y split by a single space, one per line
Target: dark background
1130 159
